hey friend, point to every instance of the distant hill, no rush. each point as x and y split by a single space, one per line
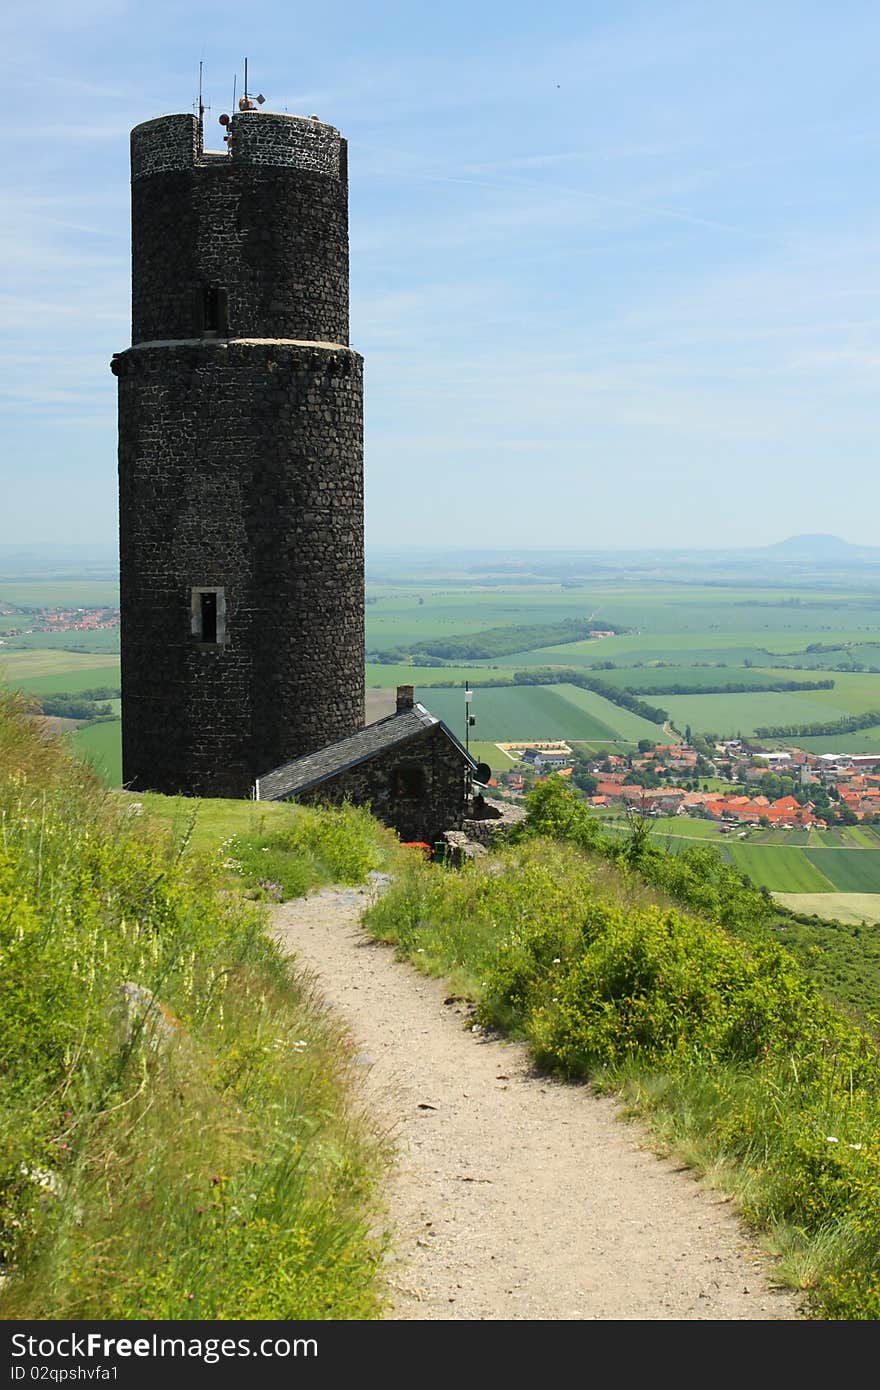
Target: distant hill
821 547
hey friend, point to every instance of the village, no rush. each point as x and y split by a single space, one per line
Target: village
782 790
61 620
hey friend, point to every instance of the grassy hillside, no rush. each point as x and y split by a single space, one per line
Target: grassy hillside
172 1089
659 978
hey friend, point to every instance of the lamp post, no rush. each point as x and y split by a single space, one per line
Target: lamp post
468 721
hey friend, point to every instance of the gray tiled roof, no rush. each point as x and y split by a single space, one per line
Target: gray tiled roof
386 733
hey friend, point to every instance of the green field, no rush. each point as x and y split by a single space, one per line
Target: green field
83 678
490 753
845 860
731 715
59 593
590 748
25 669
780 868
865 741
101 745
848 870
659 678
102 642
388 677
506 713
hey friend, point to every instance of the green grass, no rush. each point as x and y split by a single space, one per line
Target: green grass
182 1135
720 1043
200 825
100 745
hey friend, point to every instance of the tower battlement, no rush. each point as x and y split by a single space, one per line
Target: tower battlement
169 144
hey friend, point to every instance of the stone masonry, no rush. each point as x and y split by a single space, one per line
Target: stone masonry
421 788
240 457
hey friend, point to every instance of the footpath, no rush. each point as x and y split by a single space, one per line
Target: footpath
516 1197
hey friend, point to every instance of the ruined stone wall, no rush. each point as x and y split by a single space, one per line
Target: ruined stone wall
442 805
240 460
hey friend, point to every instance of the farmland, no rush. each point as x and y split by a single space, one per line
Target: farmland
85 676
23 669
687 622
101 745
836 861
841 907
526 712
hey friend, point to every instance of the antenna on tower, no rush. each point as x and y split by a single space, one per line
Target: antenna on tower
201 103
246 102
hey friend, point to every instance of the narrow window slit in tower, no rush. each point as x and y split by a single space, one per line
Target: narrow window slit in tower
208 616
211 306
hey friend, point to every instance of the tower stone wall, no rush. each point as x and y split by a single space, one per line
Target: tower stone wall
240 457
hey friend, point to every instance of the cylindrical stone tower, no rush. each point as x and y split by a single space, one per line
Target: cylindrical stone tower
240 457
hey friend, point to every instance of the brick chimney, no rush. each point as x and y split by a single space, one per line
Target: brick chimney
405 698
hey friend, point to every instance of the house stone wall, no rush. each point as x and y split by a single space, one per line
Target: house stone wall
442 806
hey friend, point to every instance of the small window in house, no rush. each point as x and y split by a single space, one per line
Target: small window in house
408 782
208 616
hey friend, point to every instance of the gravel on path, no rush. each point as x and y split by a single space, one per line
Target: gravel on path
516 1197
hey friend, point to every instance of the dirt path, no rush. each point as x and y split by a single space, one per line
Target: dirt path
516 1197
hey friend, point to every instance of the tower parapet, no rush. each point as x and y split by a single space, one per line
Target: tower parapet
265 226
165 145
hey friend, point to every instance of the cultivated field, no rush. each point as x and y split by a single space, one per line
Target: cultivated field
705 627
101 745
45 672
729 716
839 907
537 712
781 868
848 870
59 593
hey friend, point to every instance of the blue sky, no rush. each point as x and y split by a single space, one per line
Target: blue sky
613 265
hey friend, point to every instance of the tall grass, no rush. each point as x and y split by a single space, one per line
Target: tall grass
712 1032
181 1131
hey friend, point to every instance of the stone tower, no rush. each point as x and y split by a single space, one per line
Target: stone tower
240 457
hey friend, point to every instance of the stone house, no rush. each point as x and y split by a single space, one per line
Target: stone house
408 767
